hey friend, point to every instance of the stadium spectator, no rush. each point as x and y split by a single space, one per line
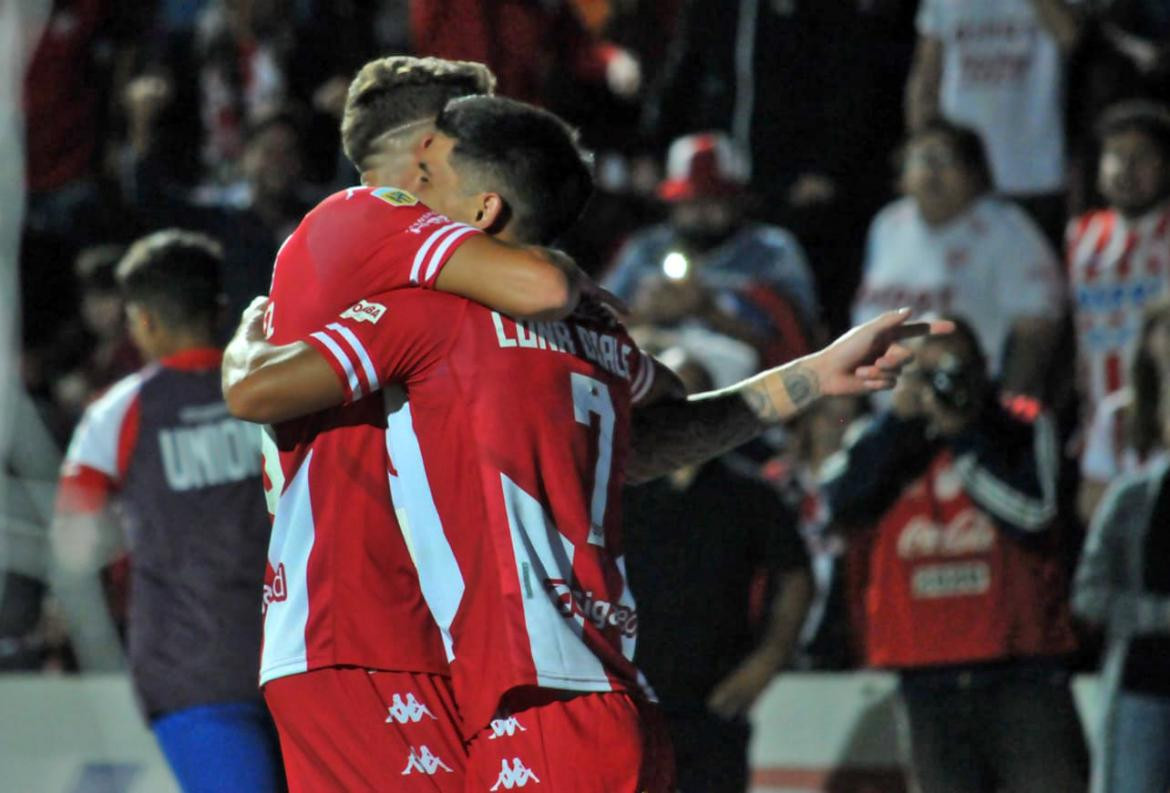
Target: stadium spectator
93 351
818 143
540 52
709 266
1125 433
696 541
827 640
951 246
1119 257
965 596
64 92
241 49
998 67
160 450
252 217
1123 585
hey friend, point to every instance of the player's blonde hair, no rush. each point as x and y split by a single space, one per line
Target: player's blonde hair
390 93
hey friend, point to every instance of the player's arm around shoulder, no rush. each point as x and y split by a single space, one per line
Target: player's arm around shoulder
523 281
267 383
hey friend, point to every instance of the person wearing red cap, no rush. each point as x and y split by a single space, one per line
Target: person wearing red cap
707 269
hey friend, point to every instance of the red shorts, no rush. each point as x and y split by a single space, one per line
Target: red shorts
351 729
572 743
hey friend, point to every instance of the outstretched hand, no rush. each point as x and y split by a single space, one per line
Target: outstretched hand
871 356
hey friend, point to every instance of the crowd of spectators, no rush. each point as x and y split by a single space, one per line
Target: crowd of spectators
768 171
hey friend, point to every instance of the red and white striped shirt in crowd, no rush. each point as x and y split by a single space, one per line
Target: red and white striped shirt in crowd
341 588
507 466
1115 267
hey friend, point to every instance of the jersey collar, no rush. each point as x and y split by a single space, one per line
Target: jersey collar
193 359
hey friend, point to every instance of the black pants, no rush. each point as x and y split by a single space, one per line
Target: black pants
1011 729
710 753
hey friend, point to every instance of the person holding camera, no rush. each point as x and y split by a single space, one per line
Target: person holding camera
966 593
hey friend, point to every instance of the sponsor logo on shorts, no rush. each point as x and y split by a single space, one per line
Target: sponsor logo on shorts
364 311
407 710
505 726
277 591
601 613
424 761
515 776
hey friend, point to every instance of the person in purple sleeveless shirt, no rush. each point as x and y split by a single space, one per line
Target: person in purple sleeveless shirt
160 452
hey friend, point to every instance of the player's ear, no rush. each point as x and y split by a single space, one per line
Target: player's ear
492 214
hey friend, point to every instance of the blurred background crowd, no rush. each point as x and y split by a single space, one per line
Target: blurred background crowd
769 172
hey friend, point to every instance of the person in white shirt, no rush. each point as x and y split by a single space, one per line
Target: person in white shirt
950 246
1119 256
998 66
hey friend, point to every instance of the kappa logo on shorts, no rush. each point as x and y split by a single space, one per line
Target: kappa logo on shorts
425 762
506 726
364 311
409 709
516 776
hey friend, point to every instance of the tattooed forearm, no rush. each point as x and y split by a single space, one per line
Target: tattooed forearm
671 435
675 434
801 384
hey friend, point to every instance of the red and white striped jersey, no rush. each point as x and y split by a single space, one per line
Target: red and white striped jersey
340 586
1115 267
507 464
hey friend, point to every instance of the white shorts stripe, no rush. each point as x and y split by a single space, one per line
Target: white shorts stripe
421 255
355 386
359 350
437 256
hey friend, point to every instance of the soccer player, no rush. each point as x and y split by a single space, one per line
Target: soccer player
506 462
353 666
185 479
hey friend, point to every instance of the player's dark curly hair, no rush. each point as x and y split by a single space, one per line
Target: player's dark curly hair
175 274
390 92
527 155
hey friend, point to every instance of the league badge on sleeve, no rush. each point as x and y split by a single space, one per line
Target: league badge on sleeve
364 311
394 196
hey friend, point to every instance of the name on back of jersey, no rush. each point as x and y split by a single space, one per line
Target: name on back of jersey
211 449
607 350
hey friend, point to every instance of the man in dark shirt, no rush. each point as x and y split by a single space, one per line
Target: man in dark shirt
696 542
184 476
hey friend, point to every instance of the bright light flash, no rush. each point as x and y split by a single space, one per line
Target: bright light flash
675 266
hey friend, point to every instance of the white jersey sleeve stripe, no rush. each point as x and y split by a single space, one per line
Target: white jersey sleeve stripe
644 387
360 350
355 386
421 255
437 256
95 441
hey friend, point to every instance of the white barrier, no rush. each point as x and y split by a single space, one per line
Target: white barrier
813 732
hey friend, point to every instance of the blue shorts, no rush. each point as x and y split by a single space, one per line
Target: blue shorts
221 748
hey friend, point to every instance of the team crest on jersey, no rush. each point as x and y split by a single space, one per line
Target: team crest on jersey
394 196
364 311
